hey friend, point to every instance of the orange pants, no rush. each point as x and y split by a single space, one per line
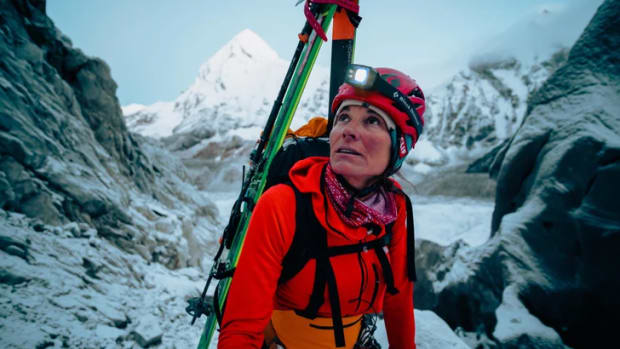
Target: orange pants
298 332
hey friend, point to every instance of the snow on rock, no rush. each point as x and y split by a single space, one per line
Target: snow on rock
436 220
516 325
101 226
148 332
85 292
431 332
132 108
156 120
426 153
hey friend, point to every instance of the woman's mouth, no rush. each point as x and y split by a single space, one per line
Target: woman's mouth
347 151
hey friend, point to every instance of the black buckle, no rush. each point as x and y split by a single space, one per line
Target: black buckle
197 306
222 271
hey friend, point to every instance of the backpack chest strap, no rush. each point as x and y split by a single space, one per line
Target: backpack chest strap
310 242
360 247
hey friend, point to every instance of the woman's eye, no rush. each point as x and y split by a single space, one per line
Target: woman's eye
342 117
372 120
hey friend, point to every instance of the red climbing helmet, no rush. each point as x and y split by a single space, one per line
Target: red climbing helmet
393 92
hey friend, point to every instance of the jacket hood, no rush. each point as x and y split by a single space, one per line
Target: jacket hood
306 173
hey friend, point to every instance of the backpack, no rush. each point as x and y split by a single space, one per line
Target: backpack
309 140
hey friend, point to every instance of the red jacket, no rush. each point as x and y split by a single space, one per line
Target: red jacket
255 292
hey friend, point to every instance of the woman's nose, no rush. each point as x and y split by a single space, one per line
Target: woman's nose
350 131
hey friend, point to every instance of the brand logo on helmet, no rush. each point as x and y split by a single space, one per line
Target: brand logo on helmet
399 97
403 147
392 79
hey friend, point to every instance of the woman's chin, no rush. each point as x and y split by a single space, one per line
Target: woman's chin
352 174
346 168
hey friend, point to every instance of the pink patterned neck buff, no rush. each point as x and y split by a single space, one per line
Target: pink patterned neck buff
379 207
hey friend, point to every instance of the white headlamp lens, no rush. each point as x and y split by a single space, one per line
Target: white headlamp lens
361 76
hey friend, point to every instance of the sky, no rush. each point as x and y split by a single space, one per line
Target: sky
155 47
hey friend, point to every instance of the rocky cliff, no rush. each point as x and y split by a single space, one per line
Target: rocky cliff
65 152
547 278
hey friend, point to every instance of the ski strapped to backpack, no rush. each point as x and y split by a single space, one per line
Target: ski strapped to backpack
343 50
254 182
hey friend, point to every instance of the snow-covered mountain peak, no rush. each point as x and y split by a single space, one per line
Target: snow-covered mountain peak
252 44
244 48
235 89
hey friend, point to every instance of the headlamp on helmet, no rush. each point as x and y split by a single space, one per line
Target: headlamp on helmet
366 78
360 76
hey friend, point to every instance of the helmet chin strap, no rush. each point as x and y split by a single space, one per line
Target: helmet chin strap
389 170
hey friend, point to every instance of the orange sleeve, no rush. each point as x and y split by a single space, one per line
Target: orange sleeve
251 295
398 308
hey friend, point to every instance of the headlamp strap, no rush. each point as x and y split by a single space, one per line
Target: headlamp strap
402 102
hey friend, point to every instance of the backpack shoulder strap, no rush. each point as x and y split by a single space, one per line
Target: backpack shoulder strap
304 247
310 242
410 241
411 273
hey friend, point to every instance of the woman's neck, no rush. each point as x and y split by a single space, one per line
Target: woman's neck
361 192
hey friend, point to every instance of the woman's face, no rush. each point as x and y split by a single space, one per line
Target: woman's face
359 145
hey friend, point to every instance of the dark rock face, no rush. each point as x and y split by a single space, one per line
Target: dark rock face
63 140
567 158
548 276
483 164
